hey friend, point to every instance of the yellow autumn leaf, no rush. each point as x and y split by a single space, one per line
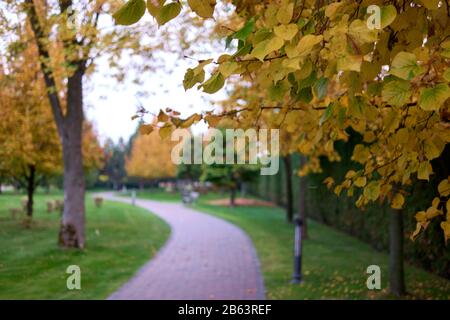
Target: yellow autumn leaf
304 46
165 131
445 225
444 187
372 190
212 120
421 216
284 14
360 182
416 231
398 201
145 129
286 32
204 8
266 47
425 170
162 117
329 181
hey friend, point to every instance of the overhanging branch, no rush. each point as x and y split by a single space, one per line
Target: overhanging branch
48 74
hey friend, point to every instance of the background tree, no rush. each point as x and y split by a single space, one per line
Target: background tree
150 157
115 163
68 39
228 176
29 144
30 151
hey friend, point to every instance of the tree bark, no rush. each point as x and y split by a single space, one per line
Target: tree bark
289 193
30 189
396 269
69 124
302 202
71 234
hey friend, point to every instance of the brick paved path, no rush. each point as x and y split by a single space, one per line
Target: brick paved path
204 258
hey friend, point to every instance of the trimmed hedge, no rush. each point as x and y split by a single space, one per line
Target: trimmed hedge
371 225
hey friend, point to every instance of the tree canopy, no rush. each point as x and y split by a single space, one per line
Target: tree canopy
317 69
150 157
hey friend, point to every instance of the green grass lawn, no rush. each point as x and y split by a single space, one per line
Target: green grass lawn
120 239
334 264
156 194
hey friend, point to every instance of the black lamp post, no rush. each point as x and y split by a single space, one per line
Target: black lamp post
297 276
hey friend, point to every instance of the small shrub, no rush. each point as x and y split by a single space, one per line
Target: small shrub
98 201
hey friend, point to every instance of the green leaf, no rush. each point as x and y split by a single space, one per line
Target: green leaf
242 33
396 92
305 95
214 84
388 15
327 114
244 50
431 99
168 12
309 81
356 106
321 88
245 31
446 75
405 66
445 49
130 13
278 90
204 8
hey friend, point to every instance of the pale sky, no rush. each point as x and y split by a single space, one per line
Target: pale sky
110 105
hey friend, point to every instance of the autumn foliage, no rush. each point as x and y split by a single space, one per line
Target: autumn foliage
150 157
318 69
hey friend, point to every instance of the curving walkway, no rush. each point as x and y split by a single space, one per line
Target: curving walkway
204 258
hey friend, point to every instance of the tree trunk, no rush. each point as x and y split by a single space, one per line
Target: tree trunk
396 271
233 196
69 124
289 194
302 202
71 234
30 190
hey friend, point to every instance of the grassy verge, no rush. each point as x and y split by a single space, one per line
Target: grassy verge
120 238
334 264
154 194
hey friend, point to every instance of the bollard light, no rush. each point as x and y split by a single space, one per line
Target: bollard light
133 197
297 276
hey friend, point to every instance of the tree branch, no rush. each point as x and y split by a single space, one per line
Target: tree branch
48 74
